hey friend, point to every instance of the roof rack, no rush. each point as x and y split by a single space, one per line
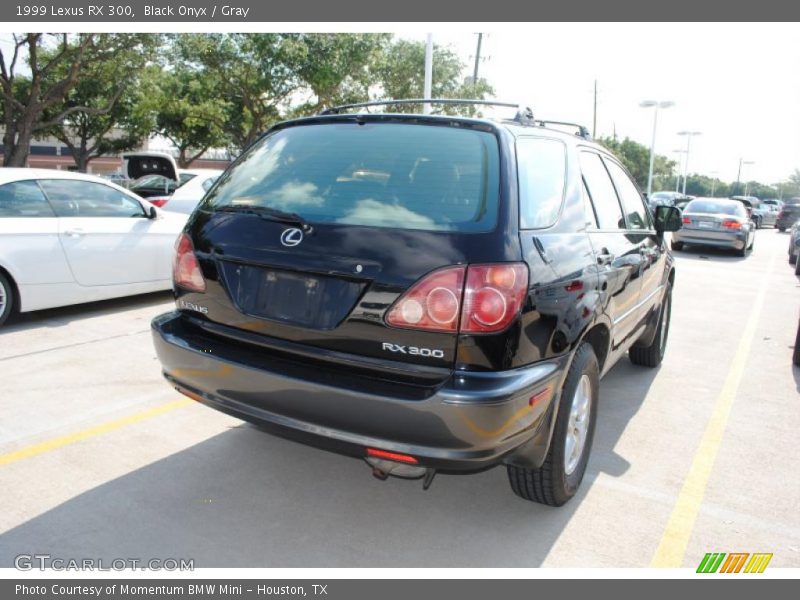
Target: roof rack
582 130
524 115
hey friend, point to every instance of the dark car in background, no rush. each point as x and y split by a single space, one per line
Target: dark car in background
424 292
789 214
717 222
667 199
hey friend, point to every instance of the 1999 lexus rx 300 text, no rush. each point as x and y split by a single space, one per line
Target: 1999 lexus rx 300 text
426 292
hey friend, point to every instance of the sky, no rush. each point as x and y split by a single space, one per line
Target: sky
738 84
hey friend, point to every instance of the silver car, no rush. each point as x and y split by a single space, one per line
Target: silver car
794 246
716 222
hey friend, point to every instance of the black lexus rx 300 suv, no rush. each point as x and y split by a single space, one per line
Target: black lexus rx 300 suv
426 292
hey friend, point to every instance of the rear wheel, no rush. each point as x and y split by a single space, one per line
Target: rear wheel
652 355
797 266
560 476
677 246
6 298
781 229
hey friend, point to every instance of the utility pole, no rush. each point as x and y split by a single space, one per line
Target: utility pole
594 117
477 60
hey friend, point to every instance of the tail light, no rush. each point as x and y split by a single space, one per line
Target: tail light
485 297
686 221
185 266
731 224
158 201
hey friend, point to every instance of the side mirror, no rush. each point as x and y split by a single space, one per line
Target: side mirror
152 213
668 218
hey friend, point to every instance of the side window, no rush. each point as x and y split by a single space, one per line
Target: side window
541 167
75 198
635 211
20 199
601 190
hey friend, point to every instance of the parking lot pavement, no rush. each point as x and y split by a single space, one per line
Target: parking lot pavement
100 458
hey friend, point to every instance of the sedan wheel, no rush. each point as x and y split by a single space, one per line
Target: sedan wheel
6 298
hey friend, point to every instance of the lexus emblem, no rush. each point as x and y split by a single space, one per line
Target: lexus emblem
292 237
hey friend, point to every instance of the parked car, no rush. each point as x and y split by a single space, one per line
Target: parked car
762 215
666 199
188 196
789 215
716 222
67 238
425 292
156 176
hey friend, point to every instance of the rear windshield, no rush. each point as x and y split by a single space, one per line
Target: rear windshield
436 178
708 206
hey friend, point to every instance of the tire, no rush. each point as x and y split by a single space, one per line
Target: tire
652 355
753 243
792 259
797 267
554 483
7 298
757 222
677 246
782 229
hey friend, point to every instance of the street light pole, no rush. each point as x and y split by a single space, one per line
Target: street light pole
655 105
689 135
739 172
679 170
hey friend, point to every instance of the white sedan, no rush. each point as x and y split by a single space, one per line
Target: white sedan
67 238
188 195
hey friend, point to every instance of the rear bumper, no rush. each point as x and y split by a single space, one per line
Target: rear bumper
703 237
472 420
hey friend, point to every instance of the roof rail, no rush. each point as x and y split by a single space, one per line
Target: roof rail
582 130
524 115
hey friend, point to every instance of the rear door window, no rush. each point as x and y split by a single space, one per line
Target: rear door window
23 199
635 213
604 197
435 178
76 198
541 169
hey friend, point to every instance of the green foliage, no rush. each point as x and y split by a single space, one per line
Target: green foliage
106 98
401 74
636 158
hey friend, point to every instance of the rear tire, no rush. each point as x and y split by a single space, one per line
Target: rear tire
652 355
677 246
561 474
797 267
6 298
782 229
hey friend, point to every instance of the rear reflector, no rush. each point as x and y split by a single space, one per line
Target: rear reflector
403 458
159 201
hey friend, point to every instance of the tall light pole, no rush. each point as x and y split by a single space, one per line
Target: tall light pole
739 172
713 181
689 135
656 105
680 154
426 108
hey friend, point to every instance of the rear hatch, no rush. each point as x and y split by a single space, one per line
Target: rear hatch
319 228
139 164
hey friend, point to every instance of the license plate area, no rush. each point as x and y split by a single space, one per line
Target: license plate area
706 224
293 297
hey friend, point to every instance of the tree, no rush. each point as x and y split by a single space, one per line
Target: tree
401 75
110 87
337 68
254 75
187 110
25 98
636 158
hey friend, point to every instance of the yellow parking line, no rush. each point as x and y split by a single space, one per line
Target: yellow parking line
65 440
675 539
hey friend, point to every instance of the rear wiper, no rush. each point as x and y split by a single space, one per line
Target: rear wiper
270 214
